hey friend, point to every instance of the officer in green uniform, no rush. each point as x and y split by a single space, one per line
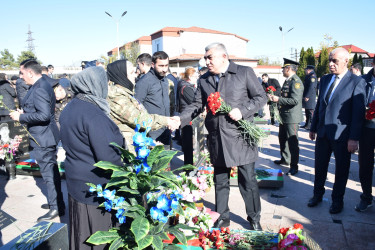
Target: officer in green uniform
290 108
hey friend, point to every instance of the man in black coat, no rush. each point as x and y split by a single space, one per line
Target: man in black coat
309 95
39 115
240 88
266 82
336 125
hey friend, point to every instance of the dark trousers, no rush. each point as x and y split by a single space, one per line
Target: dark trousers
323 150
366 162
248 187
309 114
187 144
289 148
46 159
85 220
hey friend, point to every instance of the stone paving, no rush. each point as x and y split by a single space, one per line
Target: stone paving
21 198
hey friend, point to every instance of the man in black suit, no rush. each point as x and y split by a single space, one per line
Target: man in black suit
309 94
39 114
336 125
266 82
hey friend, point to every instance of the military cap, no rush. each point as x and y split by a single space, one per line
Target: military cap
310 67
288 62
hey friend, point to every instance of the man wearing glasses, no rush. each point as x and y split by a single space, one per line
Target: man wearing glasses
336 126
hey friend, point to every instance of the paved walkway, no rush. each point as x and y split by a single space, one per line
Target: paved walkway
21 198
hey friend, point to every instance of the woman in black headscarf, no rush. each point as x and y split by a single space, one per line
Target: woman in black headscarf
86 131
126 111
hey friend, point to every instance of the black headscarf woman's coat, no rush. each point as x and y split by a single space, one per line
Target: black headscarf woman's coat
117 73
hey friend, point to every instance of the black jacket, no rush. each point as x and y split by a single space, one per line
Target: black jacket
240 88
309 91
368 79
21 88
8 94
274 83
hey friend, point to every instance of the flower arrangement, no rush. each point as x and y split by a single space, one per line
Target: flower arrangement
9 150
291 238
196 218
251 133
143 196
370 111
270 90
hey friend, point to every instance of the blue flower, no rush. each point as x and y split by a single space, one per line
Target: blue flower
142 152
119 215
137 168
156 213
110 195
146 167
122 219
163 202
108 205
118 202
174 203
175 195
163 219
170 212
137 127
150 142
92 189
139 139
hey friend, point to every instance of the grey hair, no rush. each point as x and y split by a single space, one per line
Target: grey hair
293 67
343 53
217 46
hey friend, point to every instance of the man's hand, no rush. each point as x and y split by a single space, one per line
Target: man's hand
352 146
15 115
174 123
306 99
312 136
235 114
274 98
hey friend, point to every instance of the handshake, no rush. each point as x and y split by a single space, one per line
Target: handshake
174 122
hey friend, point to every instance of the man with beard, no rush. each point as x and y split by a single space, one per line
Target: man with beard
152 90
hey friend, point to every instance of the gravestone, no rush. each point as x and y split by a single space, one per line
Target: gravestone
5 219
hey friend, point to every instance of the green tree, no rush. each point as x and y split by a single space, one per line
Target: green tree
302 64
26 55
7 60
310 57
360 60
323 62
355 59
131 53
264 60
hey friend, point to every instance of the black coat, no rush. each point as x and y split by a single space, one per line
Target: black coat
240 88
274 83
309 91
8 94
21 88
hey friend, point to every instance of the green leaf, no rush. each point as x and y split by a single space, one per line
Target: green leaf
108 166
91 185
116 244
179 210
156 229
154 154
128 190
145 242
179 235
184 226
102 237
163 160
164 236
116 181
133 183
190 204
172 247
133 201
124 152
167 175
140 227
185 167
123 173
157 242
133 215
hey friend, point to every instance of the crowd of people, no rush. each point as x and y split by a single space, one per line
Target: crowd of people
99 106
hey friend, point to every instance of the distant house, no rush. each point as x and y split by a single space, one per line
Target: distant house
143 42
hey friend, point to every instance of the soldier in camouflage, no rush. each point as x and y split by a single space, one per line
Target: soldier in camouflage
290 108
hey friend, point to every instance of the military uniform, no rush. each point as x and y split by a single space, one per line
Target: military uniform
309 92
290 109
126 112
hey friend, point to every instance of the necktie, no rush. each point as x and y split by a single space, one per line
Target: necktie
329 92
217 78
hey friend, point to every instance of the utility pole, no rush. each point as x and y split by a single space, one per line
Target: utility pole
30 43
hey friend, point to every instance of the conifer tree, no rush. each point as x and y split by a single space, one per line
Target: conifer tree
360 60
323 62
302 64
310 57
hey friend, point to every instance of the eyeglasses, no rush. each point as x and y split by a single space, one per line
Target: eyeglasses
335 61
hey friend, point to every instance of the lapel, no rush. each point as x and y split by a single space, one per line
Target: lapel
29 92
225 81
211 81
342 84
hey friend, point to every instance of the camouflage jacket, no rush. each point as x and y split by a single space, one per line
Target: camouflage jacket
126 112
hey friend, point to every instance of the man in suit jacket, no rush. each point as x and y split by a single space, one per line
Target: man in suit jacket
240 88
38 113
336 125
309 95
266 82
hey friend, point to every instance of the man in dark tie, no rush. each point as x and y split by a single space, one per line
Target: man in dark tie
336 125
39 114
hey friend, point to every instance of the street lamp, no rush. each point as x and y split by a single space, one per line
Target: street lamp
283 34
117 22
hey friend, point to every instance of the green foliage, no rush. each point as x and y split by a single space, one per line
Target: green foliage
140 231
7 60
360 59
26 55
131 52
264 60
310 57
323 63
302 64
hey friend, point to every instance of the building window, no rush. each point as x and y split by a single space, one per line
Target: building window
157 47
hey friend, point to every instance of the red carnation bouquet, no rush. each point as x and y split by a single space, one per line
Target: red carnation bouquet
370 111
251 133
291 238
270 90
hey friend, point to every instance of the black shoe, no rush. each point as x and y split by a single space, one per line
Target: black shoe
363 206
280 162
292 171
221 223
314 201
52 213
336 207
45 206
255 226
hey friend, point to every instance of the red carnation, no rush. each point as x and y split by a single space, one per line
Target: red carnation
283 230
298 226
270 89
